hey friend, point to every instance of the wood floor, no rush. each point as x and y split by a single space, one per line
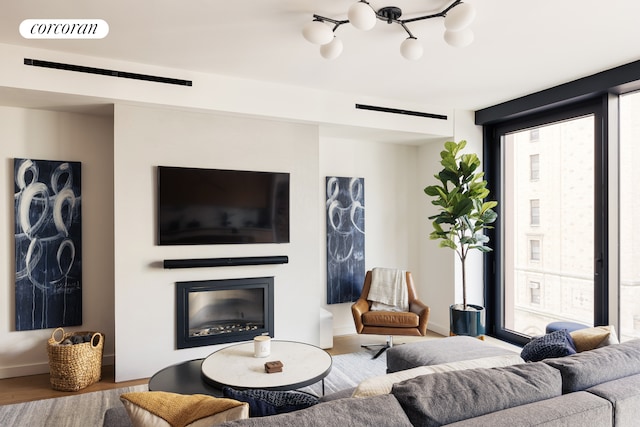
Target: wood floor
36 387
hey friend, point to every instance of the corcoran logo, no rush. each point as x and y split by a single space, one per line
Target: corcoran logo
64 29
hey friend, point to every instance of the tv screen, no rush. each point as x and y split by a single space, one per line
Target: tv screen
215 206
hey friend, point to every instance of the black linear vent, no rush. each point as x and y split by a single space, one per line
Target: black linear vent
105 72
398 111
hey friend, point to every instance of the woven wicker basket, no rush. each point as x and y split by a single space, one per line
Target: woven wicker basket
74 367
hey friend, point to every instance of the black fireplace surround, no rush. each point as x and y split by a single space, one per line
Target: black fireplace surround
213 312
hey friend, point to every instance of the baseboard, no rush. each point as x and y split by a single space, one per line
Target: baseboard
40 368
24 370
439 329
345 330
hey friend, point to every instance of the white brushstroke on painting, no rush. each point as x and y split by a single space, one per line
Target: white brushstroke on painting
65 197
28 197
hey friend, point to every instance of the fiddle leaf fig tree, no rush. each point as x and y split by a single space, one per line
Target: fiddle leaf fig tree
463 212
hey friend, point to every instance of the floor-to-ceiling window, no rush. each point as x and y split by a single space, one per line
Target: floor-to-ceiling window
549 225
549 231
563 164
629 207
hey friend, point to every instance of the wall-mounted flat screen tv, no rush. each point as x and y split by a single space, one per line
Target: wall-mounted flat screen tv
216 206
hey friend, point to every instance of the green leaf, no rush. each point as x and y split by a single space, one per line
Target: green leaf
431 190
448 244
489 216
488 205
437 227
462 208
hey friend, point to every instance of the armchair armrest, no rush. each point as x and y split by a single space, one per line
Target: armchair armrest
358 308
422 310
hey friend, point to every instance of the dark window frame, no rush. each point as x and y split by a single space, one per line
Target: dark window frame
492 162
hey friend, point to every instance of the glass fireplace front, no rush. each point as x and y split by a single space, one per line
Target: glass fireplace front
223 311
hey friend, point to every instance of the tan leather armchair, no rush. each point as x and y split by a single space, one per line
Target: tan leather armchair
390 323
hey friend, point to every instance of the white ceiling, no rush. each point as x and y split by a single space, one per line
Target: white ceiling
520 46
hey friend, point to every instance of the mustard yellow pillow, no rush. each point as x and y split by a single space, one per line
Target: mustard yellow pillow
163 409
590 338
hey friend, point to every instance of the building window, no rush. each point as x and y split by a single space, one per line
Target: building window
534 212
534 250
534 292
534 167
534 135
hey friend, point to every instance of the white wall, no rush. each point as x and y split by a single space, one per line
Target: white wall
391 200
121 256
145 292
51 135
466 129
219 122
209 92
441 265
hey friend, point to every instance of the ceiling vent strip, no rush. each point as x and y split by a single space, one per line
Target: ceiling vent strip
105 72
398 111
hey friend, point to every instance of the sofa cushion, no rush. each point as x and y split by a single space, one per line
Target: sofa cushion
382 384
442 398
438 351
554 344
396 318
587 369
265 402
163 409
590 338
624 394
378 411
570 410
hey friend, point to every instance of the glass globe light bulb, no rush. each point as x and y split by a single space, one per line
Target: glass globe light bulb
362 16
411 49
331 50
460 17
317 32
460 38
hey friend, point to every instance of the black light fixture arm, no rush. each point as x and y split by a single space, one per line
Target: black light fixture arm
407 30
390 15
362 16
336 22
435 15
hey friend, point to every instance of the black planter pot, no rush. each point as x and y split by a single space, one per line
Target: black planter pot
470 322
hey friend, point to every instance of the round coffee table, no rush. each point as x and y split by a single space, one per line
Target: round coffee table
183 378
236 367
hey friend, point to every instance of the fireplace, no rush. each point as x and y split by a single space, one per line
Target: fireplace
222 311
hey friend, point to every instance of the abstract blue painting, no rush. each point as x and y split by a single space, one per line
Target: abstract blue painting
48 242
345 239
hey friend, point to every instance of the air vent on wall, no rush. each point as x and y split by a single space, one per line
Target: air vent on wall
105 72
398 111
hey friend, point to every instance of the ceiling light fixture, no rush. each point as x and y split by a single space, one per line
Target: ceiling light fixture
457 18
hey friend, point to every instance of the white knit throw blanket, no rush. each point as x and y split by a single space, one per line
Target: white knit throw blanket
388 290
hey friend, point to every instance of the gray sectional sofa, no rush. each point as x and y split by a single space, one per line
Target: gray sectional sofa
599 387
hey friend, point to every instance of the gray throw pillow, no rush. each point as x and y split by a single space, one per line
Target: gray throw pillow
444 398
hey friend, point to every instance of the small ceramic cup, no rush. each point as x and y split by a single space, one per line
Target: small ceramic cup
262 346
